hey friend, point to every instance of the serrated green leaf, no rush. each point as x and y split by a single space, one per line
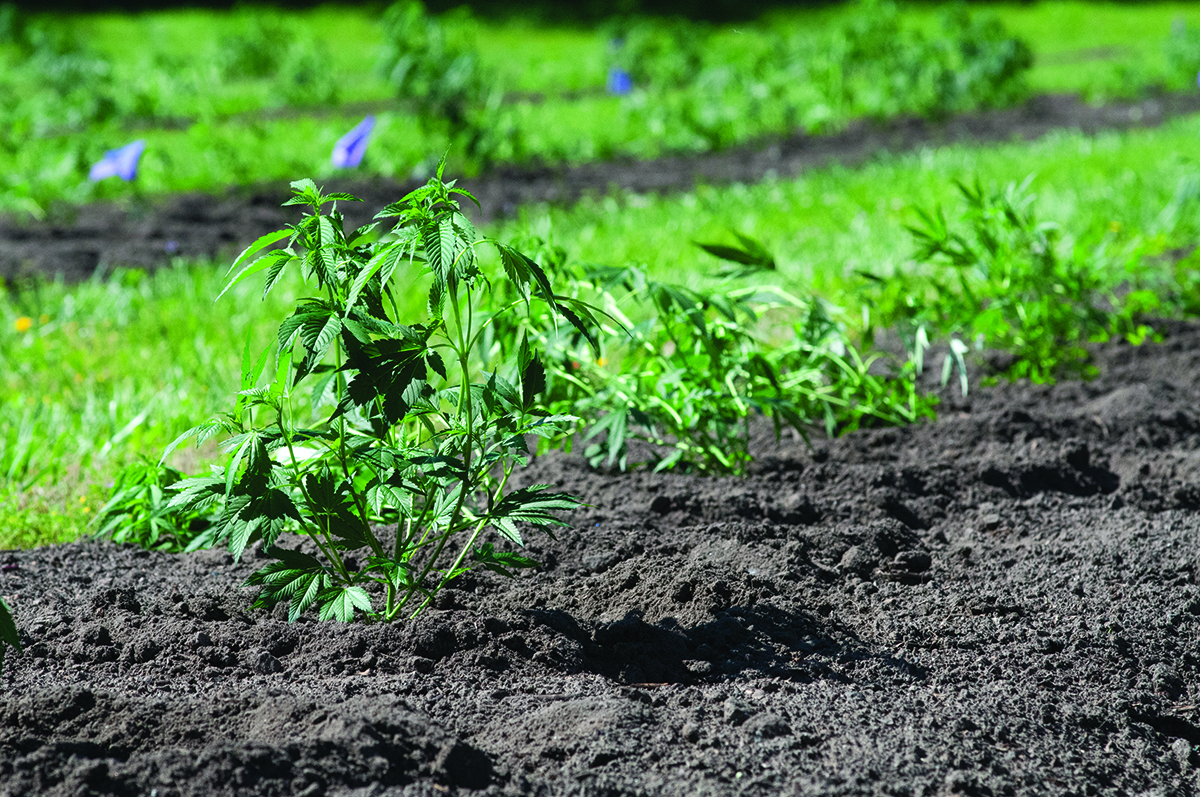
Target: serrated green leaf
307 313
434 361
505 390
370 270
304 187
502 562
293 575
251 374
467 194
437 298
192 491
530 505
322 391
240 532
266 261
324 493
178 441
386 369
275 272
579 314
517 269
231 473
260 244
211 428
441 248
533 382
444 505
385 494
339 602
306 595
317 332
365 235
751 254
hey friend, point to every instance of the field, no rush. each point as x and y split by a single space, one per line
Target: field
860 419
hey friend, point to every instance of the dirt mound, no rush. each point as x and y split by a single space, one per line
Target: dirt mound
1001 602
77 241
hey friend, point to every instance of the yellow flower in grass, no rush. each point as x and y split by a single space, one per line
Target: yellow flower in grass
24 323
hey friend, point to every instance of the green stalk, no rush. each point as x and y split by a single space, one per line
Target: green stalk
326 547
480 526
464 407
359 501
470 544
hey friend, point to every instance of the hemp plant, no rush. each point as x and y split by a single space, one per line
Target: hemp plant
395 491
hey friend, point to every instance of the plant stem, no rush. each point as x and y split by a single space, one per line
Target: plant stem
359 501
327 547
448 574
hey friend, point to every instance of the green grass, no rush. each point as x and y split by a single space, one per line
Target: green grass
211 132
95 375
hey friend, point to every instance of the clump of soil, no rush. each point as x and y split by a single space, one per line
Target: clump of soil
1001 602
75 242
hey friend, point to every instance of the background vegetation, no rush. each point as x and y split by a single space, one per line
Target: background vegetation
225 98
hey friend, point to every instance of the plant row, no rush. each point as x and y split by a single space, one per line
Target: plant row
388 448
673 86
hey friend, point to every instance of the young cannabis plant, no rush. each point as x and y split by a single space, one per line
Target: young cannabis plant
394 491
688 378
1005 280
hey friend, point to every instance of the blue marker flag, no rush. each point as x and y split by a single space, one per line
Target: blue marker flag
121 162
619 81
349 150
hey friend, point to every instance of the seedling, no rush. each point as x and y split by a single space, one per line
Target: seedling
1007 281
435 68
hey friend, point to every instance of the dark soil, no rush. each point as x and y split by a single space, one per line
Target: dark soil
76 241
1002 602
